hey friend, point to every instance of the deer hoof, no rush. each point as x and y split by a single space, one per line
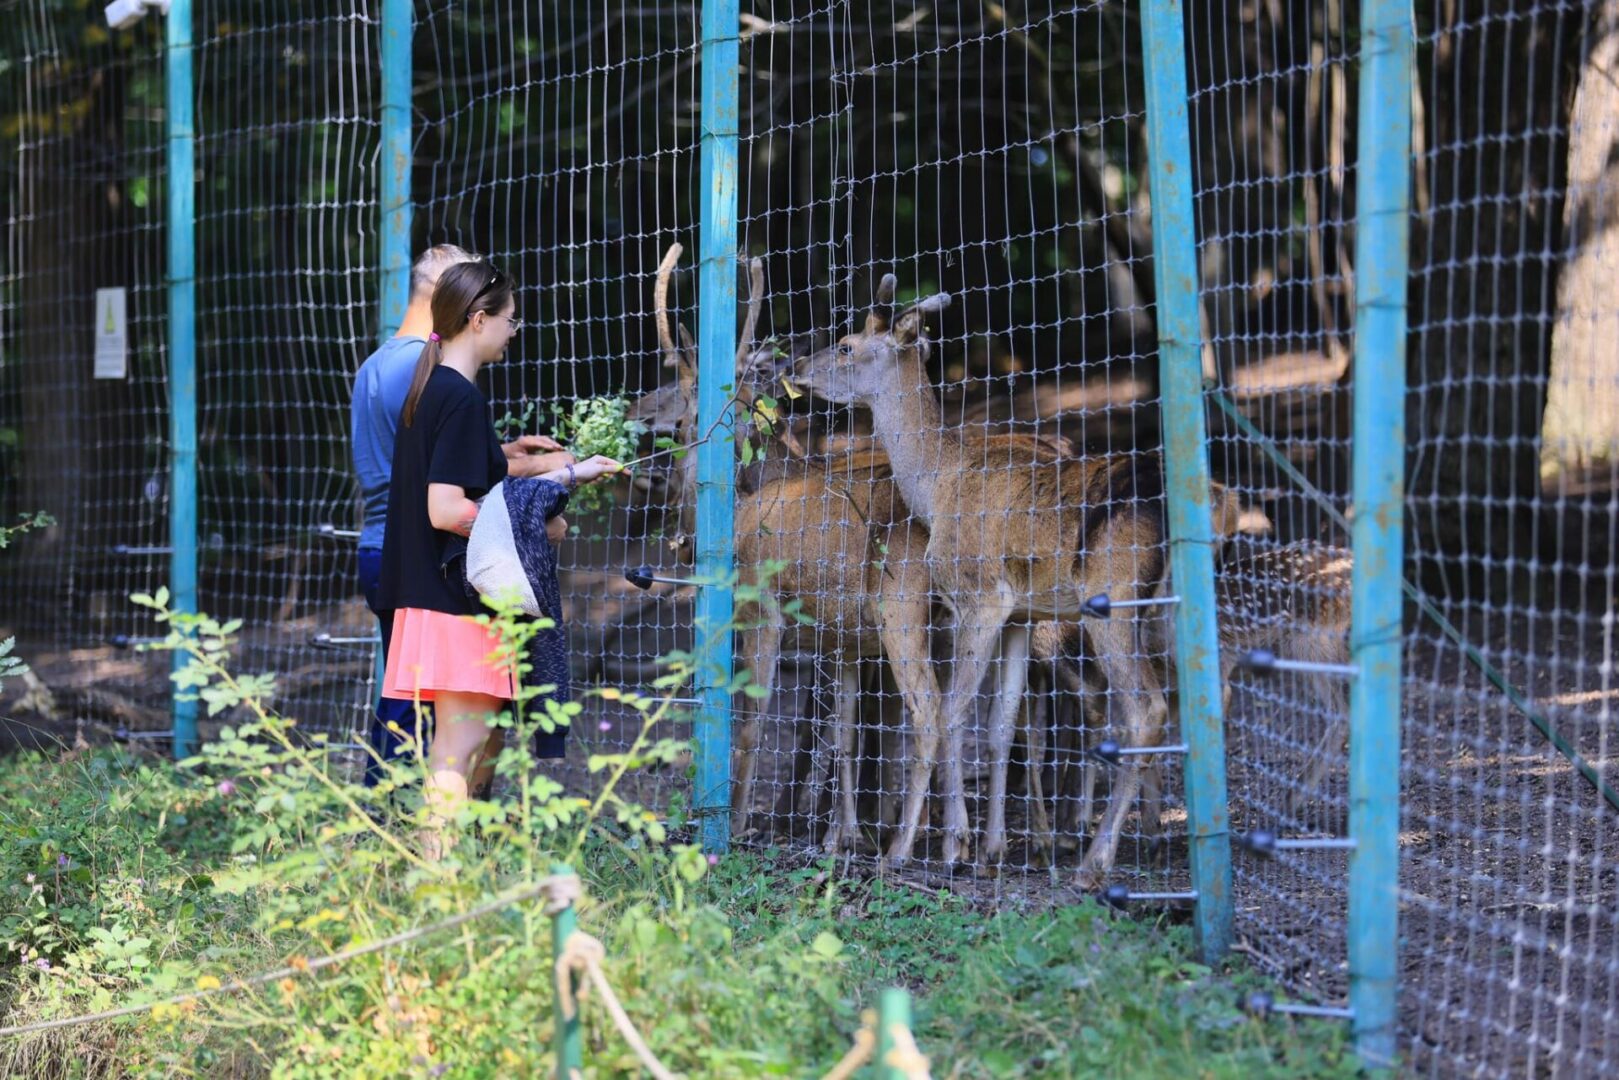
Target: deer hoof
1089 879
899 852
837 840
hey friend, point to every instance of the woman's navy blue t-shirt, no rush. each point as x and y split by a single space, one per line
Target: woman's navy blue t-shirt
451 441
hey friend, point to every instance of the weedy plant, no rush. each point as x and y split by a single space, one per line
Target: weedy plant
129 882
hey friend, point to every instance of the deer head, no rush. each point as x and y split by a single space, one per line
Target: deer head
862 366
671 409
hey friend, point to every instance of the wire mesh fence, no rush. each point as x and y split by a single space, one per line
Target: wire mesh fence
885 480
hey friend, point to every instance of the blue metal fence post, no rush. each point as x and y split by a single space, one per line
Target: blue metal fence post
716 458
182 225
398 26
1186 469
1381 231
396 155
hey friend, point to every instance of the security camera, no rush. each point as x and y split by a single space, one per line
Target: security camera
122 14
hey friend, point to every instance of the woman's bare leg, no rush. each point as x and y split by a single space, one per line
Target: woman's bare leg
460 732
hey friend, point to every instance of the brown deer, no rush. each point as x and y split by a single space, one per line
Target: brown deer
834 537
1291 600
1014 539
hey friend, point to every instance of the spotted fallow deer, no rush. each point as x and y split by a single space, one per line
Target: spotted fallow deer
1291 600
1014 539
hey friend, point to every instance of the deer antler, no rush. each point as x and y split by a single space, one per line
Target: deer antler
756 298
660 305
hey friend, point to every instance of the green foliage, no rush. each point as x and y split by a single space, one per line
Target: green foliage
25 523
598 425
10 666
511 425
123 882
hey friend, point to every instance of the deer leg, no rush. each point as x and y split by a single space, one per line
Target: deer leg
1132 678
1039 820
1068 709
1010 682
761 647
1070 770
844 816
813 797
1094 723
978 630
1334 702
904 633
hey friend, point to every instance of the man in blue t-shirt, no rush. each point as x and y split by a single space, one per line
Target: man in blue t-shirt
380 387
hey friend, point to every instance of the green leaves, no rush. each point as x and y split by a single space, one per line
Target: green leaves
598 425
25 523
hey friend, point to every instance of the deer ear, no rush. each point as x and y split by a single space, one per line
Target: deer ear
913 321
911 326
882 309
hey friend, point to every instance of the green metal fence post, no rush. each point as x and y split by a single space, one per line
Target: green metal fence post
1381 232
1186 471
570 1037
716 458
893 1011
182 225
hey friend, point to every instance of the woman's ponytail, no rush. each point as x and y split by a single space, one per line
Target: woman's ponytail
432 353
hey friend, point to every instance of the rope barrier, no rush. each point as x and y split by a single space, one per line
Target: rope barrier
865 1040
582 954
559 892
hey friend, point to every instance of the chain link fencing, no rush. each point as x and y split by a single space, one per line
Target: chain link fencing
996 153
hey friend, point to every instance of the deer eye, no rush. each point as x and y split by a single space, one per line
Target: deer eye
845 350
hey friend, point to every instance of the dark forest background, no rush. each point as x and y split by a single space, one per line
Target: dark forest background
996 151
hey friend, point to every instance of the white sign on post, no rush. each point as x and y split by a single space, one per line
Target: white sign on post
112 335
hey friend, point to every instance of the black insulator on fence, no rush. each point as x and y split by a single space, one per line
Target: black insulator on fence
1116 896
1258 1004
642 577
1100 606
1260 842
1260 661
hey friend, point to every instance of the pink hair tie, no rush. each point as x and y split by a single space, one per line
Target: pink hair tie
434 337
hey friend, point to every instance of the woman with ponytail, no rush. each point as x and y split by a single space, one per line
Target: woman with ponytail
446 457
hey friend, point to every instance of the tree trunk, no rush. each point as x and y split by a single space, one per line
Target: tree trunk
1581 426
1484 265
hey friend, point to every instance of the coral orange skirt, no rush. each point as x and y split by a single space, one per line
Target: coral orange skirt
432 652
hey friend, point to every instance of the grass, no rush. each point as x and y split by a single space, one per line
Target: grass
1065 992
760 968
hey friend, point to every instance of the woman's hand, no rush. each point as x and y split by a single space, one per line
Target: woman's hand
556 530
587 471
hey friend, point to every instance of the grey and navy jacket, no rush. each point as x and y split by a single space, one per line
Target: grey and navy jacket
509 549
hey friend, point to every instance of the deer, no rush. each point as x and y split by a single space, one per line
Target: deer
842 547
1014 540
848 511
1291 600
